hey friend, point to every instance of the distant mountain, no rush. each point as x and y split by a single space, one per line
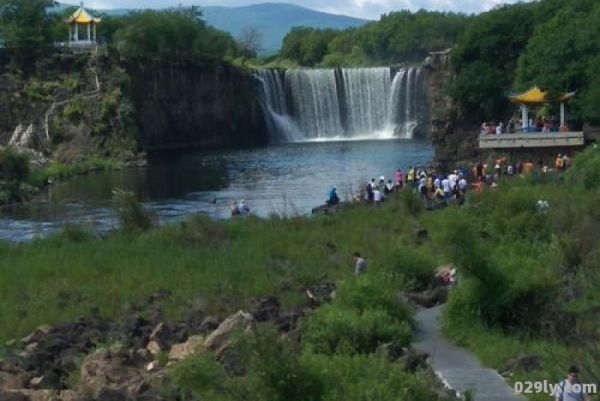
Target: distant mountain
272 20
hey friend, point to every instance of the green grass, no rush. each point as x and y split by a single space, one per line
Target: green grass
228 262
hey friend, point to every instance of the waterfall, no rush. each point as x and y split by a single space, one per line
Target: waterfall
315 100
367 92
349 103
280 125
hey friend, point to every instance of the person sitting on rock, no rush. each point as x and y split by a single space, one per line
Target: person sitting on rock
235 209
244 209
333 197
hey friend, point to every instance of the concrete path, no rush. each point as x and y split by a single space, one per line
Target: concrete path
457 367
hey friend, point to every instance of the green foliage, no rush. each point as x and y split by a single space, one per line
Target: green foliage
372 292
200 377
586 171
171 36
398 37
560 53
14 166
132 214
332 329
25 27
485 60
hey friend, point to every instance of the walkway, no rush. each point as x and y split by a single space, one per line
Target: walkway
458 368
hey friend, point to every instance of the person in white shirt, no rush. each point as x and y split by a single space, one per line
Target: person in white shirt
446 187
377 196
244 209
462 184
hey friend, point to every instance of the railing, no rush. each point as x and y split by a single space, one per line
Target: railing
80 46
531 140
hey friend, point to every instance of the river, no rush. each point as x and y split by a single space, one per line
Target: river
284 179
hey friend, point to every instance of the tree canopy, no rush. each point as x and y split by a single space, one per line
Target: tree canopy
25 28
171 35
397 37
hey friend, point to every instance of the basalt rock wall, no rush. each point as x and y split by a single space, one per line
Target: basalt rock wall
453 140
196 106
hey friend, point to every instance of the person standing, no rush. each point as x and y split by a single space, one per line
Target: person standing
360 264
399 179
571 388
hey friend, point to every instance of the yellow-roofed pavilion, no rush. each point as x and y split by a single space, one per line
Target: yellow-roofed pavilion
537 97
82 18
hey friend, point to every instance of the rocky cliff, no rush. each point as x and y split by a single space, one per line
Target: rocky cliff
183 105
81 105
454 141
71 108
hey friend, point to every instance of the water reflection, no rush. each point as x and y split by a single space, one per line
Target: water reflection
291 177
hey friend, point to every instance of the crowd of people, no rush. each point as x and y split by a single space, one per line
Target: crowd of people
515 125
434 186
429 183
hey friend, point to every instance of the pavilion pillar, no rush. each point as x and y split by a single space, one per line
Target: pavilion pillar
89 34
70 33
76 36
94 27
525 117
562 116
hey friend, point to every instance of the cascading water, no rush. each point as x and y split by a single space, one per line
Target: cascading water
350 103
315 100
367 92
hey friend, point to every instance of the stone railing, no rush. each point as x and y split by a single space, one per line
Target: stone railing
531 140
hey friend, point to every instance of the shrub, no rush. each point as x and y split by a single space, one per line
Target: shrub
132 214
372 292
369 377
333 329
200 377
14 166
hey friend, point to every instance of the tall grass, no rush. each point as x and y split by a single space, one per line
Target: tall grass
226 262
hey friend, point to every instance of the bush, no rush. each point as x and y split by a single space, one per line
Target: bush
372 292
200 377
332 329
369 377
14 166
132 214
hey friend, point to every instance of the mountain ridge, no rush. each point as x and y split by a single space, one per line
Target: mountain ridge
272 19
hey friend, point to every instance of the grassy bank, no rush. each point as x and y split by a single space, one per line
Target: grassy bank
226 263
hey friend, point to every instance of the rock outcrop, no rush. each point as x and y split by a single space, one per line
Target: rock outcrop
203 106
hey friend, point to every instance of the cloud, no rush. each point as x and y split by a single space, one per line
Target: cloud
370 9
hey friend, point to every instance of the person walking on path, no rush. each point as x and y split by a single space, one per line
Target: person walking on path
571 388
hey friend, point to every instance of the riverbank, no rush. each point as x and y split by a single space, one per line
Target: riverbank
21 180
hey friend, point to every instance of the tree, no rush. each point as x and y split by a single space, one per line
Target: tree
170 36
25 26
249 43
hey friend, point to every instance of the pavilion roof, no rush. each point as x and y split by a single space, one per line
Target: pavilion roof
81 16
536 96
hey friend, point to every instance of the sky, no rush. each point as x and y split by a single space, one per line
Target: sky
368 9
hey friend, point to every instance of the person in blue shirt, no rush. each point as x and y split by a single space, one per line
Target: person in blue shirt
333 197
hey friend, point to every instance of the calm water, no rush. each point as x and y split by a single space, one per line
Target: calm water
290 178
